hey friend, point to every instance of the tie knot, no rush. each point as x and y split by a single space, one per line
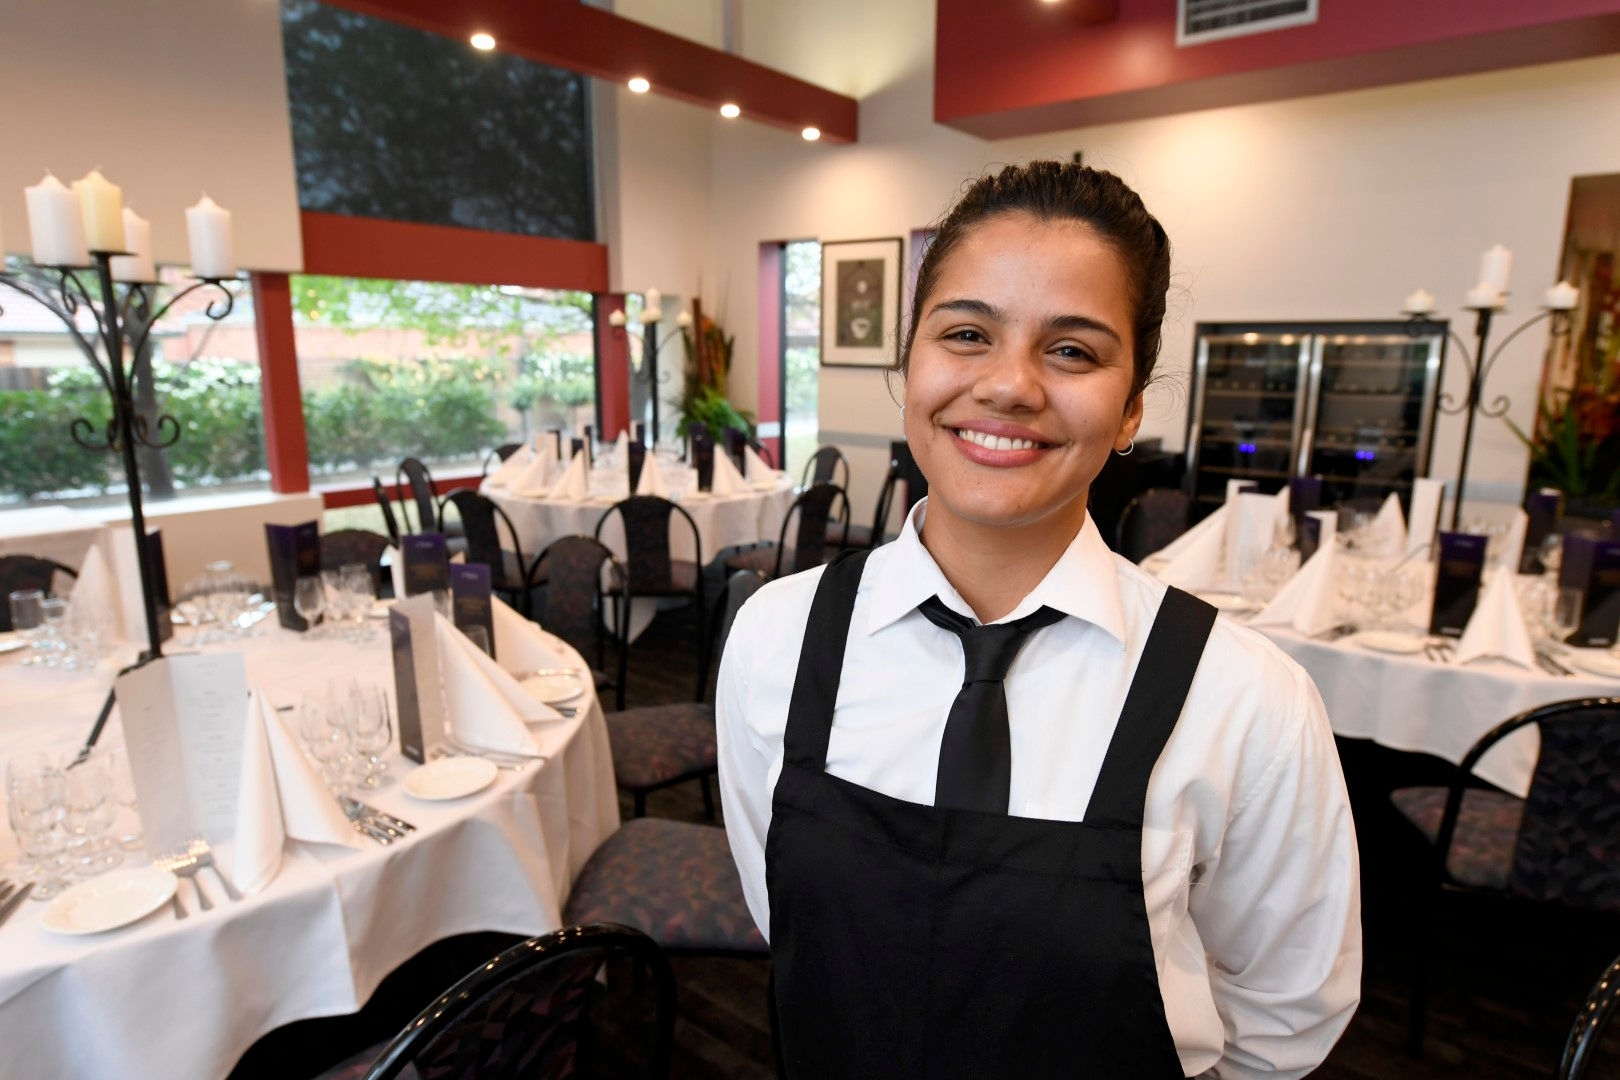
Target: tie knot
987 651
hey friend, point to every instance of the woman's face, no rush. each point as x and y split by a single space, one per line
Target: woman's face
1020 377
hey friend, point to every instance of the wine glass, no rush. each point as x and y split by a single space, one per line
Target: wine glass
123 793
320 724
373 734
337 598
362 592
309 600
89 809
1566 612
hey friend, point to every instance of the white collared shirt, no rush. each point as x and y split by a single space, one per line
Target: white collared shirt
1248 850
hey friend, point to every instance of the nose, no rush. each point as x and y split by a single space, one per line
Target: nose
1009 380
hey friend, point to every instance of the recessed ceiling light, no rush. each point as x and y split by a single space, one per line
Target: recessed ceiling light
482 42
730 111
638 85
811 134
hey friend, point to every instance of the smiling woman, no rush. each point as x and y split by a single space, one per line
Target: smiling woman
970 786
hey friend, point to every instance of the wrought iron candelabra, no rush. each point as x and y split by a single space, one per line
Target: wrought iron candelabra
124 320
1478 365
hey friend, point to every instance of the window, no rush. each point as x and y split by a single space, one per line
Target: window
445 373
801 350
203 373
392 122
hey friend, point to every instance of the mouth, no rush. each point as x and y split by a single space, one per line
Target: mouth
998 442
1010 446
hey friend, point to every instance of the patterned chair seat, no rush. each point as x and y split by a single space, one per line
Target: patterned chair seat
683 579
661 744
673 880
1487 828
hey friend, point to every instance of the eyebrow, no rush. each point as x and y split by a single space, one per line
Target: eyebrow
1056 322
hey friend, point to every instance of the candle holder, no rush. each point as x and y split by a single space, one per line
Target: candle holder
123 326
1478 365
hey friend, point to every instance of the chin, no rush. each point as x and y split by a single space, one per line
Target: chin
997 509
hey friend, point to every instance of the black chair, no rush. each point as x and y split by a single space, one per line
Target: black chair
1560 844
1586 1034
823 467
345 546
905 466
845 534
390 522
762 450
575 603
528 1012
1150 521
658 746
414 475
649 569
20 572
673 880
500 453
814 508
480 521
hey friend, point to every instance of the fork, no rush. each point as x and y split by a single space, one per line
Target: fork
199 850
167 862
186 866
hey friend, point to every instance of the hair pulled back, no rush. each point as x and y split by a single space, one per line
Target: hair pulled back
1060 191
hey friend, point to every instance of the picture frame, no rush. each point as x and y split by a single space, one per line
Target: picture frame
860 302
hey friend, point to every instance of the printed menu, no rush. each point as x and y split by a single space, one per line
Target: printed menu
295 552
1456 582
418 694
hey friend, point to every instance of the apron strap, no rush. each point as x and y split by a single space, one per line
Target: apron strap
821 663
1152 706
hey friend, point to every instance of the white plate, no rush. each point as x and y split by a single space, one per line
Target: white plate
12 640
1390 641
554 687
449 778
1598 663
1225 601
109 901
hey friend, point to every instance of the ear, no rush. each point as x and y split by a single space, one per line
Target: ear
1130 423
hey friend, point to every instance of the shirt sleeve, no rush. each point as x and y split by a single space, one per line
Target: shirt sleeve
745 790
1279 909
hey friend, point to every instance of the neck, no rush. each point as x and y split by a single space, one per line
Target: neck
994 567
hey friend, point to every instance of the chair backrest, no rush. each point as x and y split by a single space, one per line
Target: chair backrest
738 588
345 546
413 473
481 520
885 504
390 522
1568 846
573 604
20 572
500 453
823 466
905 467
1150 521
814 507
646 540
1586 1033
531 1011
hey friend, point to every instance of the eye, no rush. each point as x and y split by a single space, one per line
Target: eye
1073 354
965 334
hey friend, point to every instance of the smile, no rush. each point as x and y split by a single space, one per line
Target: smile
997 442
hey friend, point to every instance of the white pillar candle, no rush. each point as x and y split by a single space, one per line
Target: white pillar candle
1421 302
1494 267
102 204
55 225
684 319
1483 296
137 265
653 299
615 318
209 229
1561 297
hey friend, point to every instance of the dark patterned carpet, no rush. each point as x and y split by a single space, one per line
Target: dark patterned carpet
1508 979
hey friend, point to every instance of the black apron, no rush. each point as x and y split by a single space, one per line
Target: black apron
916 941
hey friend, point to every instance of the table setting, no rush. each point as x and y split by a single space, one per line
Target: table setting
247 844
1417 639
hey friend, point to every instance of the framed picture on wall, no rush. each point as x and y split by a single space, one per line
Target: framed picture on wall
860 302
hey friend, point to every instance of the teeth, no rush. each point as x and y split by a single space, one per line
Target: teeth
995 442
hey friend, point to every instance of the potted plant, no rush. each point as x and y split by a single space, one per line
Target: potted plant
1576 445
704 404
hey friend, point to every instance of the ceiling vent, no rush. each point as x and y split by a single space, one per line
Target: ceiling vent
1199 21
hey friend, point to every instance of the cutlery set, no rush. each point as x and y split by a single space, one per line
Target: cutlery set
188 862
371 822
12 896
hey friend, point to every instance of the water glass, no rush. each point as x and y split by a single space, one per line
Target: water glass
1566 612
309 601
89 809
26 617
52 639
35 811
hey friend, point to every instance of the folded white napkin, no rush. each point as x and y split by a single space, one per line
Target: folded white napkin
522 646
395 562
95 595
513 467
1197 563
1512 545
1497 626
538 474
621 450
1216 522
1250 529
1329 528
652 478
1308 602
573 484
1425 517
281 796
754 467
727 480
1389 527
485 707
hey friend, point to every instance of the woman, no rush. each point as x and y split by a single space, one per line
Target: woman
1004 804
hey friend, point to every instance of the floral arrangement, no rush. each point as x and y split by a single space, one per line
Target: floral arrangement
704 404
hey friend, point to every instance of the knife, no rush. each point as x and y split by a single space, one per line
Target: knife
14 902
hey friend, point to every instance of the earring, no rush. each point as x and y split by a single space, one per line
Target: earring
902 414
1128 449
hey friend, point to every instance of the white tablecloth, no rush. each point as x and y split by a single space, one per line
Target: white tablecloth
171 998
50 532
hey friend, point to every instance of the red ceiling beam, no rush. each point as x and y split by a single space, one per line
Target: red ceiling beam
568 34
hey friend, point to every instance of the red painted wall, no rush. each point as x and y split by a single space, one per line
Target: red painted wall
769 409
1010 67
612 368
285 447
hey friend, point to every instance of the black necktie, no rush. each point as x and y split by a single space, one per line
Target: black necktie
975 756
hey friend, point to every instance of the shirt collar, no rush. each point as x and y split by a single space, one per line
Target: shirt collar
1082 583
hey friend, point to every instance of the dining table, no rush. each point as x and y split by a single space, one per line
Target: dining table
185 997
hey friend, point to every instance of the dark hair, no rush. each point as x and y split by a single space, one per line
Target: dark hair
1058 191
